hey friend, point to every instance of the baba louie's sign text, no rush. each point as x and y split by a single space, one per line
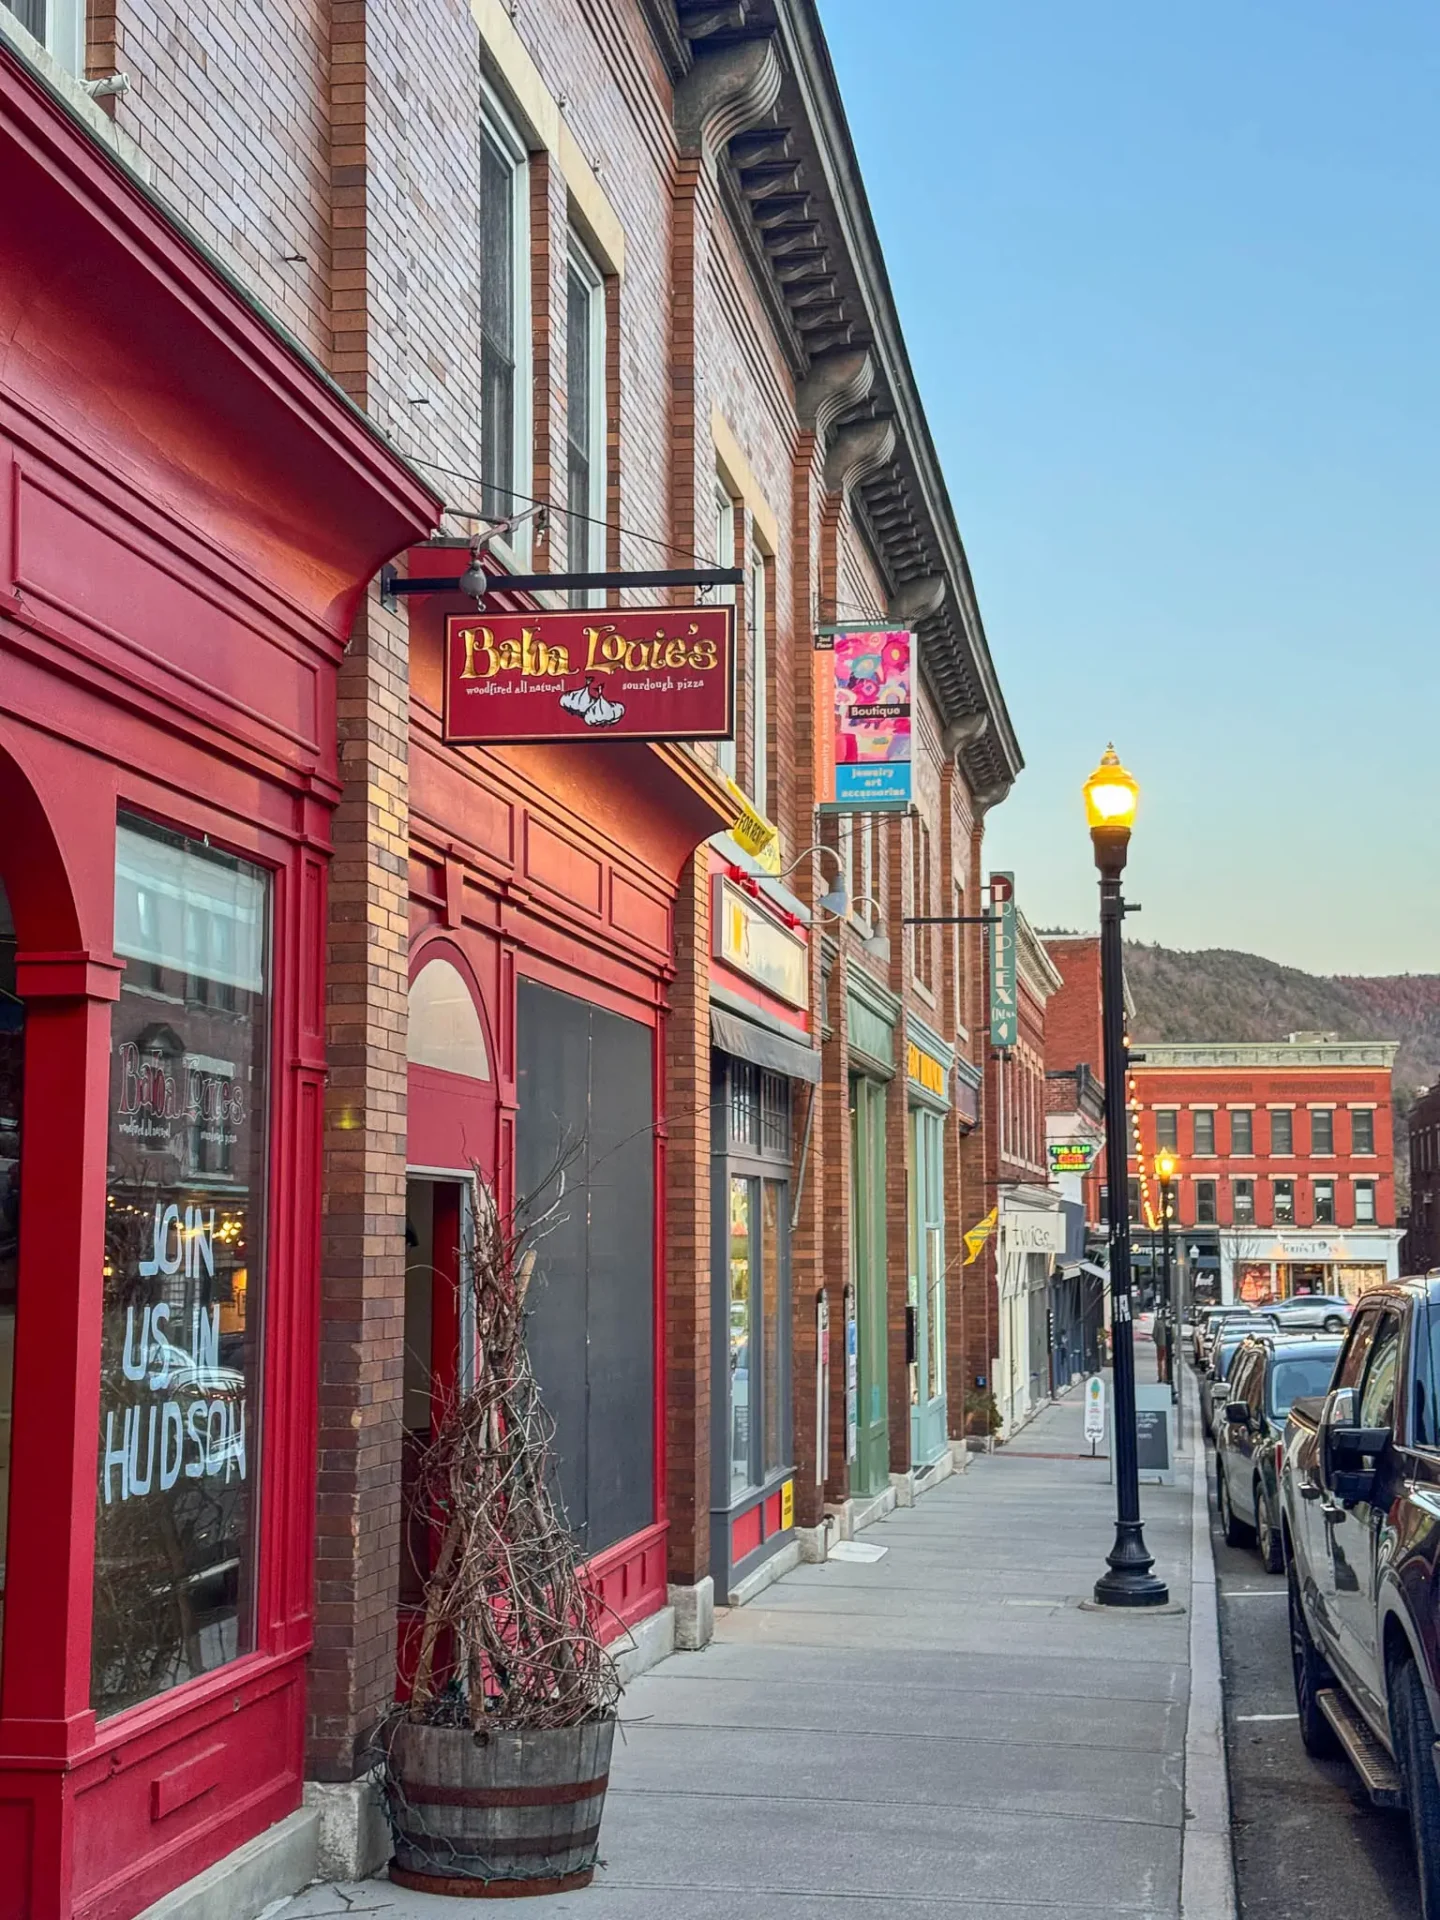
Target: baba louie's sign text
651 673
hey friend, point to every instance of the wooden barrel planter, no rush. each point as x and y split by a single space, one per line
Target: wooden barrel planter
496 1815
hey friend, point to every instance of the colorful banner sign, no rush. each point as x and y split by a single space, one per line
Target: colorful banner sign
873 672
647 673
1004 995
1072 1156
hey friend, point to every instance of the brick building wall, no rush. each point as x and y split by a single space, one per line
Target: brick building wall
1259 1093
1422 1242
330 155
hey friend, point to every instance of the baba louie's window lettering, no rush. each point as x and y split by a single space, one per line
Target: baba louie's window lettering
184 1257
654 673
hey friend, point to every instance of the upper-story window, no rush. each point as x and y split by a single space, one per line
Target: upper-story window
1322 1130
59 26
1324 1203
504 316
725 557
1282 1132
584 417
1364 1203
1243 1201
1362 1131
1205 1131
1283 1192
1167 1128
757 668
1242 1132
1205 1203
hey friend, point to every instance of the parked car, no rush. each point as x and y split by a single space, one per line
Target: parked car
1311 1313
1265 1377
1213 1388
1360 1513
1208 1331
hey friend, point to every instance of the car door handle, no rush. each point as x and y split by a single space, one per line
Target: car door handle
1309 1491
1331 1512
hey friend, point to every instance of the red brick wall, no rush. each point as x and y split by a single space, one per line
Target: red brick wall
1257 1088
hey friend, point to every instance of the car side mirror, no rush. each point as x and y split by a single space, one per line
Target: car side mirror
1351 1451
1237 1413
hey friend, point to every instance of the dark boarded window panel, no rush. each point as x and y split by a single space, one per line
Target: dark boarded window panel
586 1080
553 1043
622 1280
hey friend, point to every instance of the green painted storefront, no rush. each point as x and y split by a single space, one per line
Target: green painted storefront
872 1015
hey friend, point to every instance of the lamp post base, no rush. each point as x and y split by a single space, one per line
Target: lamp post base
1130 1583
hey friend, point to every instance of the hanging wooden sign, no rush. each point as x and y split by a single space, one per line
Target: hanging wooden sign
644 673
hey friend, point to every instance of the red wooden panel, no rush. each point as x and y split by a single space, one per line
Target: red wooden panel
176 1787
552 861
639 914
167 1804
628 1581
744 1534
141 614
772 1515
15 1883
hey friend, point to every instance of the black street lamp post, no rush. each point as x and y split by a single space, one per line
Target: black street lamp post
1165 1174
1110 801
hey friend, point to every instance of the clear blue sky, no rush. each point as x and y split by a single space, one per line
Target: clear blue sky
1170 281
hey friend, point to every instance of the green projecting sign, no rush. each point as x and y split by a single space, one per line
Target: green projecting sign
1004 998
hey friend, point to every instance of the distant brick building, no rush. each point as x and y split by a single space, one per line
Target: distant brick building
1286 1152
1422 1243
1074 1128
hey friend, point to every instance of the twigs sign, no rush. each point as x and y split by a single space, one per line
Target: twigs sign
648 673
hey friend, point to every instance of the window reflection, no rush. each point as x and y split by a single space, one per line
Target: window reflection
181 1334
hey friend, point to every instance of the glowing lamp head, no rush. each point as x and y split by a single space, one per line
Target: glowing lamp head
1111 795
1166 1165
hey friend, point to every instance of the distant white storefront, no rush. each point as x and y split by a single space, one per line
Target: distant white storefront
1030 1233
1274 1263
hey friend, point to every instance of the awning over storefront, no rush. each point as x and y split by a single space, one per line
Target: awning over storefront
763 1048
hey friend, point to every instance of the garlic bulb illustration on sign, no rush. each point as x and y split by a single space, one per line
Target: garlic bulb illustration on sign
603 713
579 698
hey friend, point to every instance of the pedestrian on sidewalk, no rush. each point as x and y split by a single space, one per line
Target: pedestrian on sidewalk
1162 1347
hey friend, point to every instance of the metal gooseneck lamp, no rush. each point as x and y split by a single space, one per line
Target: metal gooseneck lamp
1111 798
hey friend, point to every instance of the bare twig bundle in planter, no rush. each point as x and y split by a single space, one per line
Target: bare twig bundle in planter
509 1640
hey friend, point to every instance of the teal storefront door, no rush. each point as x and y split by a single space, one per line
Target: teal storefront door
870 1469
928 1437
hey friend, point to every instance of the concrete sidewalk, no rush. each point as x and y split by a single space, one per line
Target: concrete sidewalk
945 1732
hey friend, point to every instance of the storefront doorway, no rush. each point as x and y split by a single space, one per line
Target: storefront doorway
927 1286
751 1446
12 1081
870 1470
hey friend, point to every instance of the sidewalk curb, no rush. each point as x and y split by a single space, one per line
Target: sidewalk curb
1207 1866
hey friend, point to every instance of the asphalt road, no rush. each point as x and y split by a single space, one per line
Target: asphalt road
1308 1843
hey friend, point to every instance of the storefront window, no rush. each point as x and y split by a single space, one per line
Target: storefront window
12 1069
740 1230
178 1469
771 1196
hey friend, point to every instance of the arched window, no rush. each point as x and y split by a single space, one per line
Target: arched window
445 1029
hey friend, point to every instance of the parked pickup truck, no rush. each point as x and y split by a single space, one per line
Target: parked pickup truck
1360 1515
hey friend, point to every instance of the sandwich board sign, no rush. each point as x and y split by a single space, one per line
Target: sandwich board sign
1154 1435
1094 1410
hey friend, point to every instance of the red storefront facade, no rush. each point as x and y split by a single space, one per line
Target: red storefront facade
191 517
544 881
